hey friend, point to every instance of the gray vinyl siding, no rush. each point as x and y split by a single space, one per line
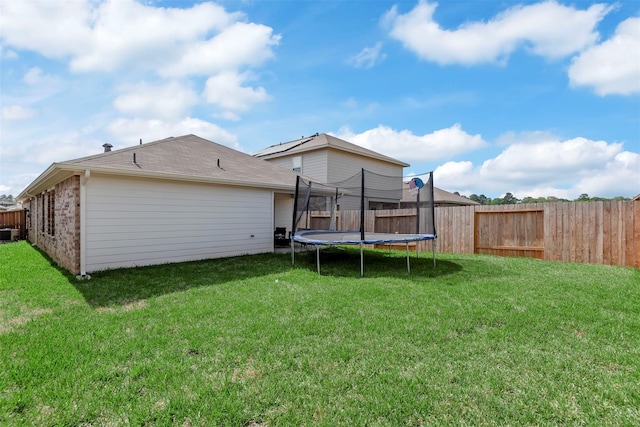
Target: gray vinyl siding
132 222
283 162
314 165
341 165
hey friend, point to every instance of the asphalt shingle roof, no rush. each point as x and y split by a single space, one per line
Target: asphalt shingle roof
191 156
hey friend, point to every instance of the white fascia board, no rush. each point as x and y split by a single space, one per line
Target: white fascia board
176 177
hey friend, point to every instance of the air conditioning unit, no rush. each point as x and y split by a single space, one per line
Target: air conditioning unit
8 234
5 234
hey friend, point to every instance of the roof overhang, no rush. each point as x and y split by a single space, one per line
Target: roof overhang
58 172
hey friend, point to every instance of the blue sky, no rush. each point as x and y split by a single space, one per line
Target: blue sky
536 98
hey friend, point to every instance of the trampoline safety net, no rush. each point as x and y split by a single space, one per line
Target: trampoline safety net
341 206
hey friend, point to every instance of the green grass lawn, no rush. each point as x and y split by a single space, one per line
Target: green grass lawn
250 341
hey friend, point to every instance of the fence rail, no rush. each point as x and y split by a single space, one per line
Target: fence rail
15 220
606 232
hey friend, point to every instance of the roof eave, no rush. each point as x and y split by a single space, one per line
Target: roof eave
51 176
179 177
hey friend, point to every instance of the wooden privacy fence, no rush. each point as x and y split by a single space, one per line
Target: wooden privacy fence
15 220
590 232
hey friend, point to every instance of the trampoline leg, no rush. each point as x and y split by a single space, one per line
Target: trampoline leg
361 261
318 258
293 253
433 250
408 263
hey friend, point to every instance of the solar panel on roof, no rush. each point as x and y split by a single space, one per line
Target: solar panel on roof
280 148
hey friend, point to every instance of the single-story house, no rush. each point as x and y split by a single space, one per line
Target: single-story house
173 200
441 198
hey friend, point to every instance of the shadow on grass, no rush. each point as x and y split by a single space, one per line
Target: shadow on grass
127 285
345 262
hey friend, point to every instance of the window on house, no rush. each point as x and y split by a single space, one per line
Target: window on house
42 208
297 164
51 213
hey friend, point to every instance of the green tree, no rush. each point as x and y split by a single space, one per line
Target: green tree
509 199
530 199
482 199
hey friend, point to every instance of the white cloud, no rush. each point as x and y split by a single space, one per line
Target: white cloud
36 77
177 43
368 57
548 168
27 25
127 33
167 101
618 176
455 175
129 131
238 45
404 145
67 148
547 29
115 34
16 112
7 53
37 151
549 160
226 90
612 67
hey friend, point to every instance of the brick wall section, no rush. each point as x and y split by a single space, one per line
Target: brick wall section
64 246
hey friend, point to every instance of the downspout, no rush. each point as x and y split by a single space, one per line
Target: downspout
273 220
33 200
83 224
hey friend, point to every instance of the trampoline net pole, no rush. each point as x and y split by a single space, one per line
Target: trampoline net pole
433 250
362 206
418 212
294 221
408 263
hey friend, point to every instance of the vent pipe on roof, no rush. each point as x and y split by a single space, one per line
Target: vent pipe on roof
107 147
140 141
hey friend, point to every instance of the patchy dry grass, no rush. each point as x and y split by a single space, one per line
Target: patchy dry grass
251 341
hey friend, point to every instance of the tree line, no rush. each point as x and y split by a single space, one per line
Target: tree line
510 199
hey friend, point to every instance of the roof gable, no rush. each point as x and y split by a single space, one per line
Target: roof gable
318 142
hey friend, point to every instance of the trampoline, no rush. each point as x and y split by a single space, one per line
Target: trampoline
354 192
